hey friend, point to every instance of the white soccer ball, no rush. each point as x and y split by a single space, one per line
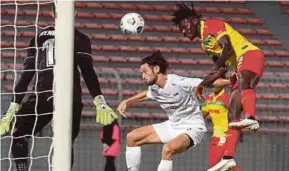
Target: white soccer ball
132 24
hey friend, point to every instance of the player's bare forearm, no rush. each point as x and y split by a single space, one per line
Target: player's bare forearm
228 50
142 96
221 82
210 79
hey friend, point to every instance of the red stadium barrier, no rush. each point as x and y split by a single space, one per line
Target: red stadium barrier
245 31
122 37
163 116
143 7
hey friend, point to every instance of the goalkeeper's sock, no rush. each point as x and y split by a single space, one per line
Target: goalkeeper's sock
165 165
20 150
248 97
133 158
232 139
110 165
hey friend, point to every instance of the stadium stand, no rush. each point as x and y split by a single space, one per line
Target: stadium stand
117 56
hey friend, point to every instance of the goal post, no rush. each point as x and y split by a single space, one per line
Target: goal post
62 119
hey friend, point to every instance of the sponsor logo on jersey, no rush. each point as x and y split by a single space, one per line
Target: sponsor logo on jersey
47 33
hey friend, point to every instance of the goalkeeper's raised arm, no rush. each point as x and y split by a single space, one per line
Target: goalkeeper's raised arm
104 114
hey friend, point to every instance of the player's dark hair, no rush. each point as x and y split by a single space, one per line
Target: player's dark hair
156 59
184 12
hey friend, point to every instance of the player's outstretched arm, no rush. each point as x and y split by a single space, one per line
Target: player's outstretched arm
104 113
212 77
210 81
221 82
122 107
20 87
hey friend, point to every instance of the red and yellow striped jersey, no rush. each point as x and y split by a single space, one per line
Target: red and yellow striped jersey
217 107
213 29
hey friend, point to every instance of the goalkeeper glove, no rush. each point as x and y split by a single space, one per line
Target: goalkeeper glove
104 114
8 118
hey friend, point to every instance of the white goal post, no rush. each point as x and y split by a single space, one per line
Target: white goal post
62 119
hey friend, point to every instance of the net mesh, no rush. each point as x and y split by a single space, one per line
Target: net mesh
116 60
20 20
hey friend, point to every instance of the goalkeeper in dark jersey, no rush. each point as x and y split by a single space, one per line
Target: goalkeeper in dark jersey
30 115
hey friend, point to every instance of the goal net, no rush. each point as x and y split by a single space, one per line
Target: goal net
20 22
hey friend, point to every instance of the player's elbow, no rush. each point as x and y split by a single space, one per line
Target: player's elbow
131 139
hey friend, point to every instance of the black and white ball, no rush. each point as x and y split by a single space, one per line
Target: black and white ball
132 24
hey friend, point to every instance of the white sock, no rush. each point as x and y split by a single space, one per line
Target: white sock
165 165
133 158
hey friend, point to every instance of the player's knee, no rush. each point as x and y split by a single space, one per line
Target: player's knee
131 138
19 147
168 152
235 107
243 84
247 81
19 142
234 113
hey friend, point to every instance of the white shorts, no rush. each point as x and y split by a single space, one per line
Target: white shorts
166 132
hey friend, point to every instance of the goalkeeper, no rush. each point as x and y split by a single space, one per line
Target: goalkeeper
30 115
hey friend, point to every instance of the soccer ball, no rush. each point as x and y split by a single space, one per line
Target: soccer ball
132 24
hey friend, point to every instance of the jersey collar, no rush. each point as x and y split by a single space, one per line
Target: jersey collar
218 95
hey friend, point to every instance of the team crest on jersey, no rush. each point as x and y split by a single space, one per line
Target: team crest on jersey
211 45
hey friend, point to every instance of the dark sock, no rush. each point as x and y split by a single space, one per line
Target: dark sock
20 150
109 165
251 117
227 157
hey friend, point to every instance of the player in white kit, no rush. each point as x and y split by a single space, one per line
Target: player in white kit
184 128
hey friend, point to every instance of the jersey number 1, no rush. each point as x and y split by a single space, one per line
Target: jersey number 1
48 46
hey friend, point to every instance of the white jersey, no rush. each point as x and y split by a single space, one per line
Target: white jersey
177 100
